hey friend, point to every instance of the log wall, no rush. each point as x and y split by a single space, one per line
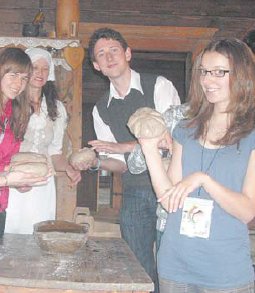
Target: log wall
232 17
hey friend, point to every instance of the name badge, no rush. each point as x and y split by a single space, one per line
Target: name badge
196 217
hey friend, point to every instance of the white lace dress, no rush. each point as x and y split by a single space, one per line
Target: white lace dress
46 137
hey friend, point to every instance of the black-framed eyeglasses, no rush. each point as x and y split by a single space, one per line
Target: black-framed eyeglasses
214 72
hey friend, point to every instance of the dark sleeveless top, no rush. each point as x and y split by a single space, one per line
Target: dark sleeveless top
116 116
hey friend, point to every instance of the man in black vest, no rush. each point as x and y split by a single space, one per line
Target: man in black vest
128 91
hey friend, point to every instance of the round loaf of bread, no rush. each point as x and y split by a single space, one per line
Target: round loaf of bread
85 155
24 157
146 123
36 168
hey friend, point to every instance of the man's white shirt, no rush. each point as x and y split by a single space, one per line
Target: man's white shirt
165 94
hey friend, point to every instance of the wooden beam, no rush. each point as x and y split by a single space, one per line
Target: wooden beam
155 38
74 127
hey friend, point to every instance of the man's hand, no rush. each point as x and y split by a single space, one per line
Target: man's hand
112 147
84 166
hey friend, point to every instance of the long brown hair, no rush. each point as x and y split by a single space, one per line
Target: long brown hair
242 92
16 60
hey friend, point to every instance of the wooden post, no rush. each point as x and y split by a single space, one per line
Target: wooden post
67 18
70 92
116 191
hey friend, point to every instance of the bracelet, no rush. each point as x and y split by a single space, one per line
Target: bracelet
97 167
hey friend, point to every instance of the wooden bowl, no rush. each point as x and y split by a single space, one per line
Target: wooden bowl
60 236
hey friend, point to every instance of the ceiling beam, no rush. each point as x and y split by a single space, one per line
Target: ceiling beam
155 38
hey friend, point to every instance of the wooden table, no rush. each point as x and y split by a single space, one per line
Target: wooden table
103 265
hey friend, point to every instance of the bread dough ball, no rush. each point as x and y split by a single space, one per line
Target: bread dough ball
146 123
85 155
36 168
24 157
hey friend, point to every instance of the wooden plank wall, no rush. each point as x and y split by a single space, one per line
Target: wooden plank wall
232 17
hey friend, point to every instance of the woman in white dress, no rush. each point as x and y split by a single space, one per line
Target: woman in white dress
44 135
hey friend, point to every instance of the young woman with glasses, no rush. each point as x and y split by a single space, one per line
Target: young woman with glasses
209 189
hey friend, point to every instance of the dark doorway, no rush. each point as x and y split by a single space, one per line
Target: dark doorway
173 66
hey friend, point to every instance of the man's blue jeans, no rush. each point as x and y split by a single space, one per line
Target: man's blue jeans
138 225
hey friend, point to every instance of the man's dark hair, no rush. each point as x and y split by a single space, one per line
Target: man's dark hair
249 39
105 33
